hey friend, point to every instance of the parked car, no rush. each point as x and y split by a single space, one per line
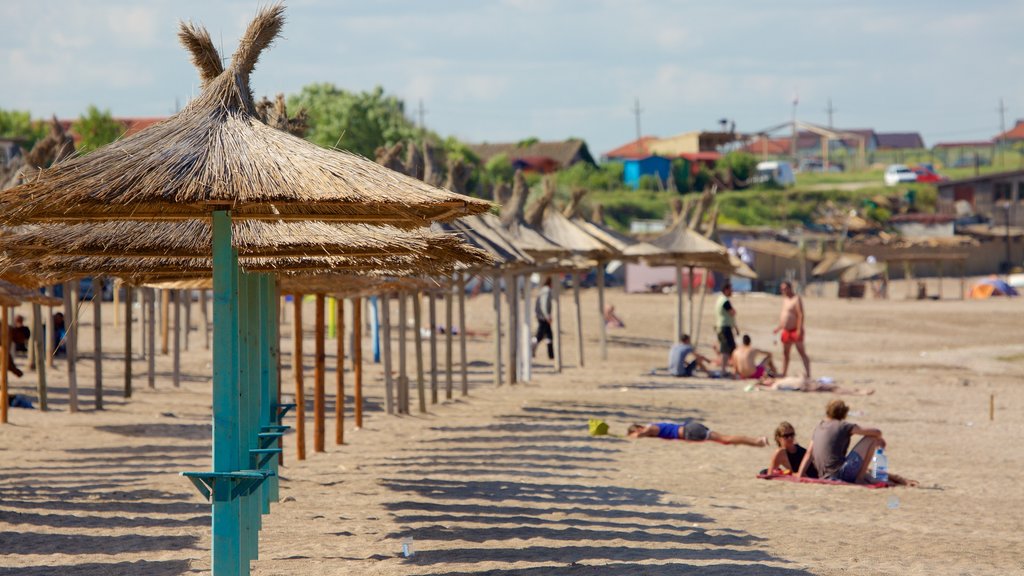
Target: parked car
927 174
817 165
899 174
780 173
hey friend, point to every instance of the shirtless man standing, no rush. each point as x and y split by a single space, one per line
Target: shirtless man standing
744 362
791 324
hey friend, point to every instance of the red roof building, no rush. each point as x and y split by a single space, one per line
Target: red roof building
1015 134
633 150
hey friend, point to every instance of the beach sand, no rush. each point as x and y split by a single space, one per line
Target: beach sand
506 481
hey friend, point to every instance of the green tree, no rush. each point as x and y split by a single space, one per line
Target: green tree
19 124
499 169
96 128
742 165
356 121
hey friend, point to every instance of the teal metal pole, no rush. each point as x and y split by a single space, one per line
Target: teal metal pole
267 395
245 417
226 456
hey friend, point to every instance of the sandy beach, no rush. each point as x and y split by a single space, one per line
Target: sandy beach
506 481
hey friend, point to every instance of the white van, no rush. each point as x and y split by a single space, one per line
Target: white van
780 172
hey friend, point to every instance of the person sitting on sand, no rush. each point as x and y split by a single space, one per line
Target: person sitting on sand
611 319
690 430
801 384
830 441
677 363
744 361
790 455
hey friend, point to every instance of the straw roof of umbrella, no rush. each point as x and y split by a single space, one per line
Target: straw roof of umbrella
12 295
563 231
217 154
863 271
194 238
836 262
623 245
687 247
525 237
484 232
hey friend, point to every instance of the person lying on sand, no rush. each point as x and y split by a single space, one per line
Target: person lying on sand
744 361
690 430
829 444
802 384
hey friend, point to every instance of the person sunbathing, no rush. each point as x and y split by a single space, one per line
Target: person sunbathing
690 430
744 361
803 384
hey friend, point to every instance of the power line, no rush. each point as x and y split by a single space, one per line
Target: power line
420 113
636 112
830 111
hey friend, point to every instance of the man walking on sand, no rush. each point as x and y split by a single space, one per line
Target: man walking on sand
725 325
791 325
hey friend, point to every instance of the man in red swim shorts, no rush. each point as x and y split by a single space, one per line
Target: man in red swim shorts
791 325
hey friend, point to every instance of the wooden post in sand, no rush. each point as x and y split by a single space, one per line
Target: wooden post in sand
318 379
689 297
963 278
42 354
70 327
463 357
700 307
600 310
151 335
357 359
941 276
449 358
579 319
432 323
679 304
187 296
176 371
908 278
165 324
527 343
511 297
128 328
496 292
117 302
297 368
417 325
97 344
403 377
556 296
206 319
339 393
5 340
385 324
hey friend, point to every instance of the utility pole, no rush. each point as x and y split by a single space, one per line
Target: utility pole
636 112
420 113
830 111
1002 130
796 160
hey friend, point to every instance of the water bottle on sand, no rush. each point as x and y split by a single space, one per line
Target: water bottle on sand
880 466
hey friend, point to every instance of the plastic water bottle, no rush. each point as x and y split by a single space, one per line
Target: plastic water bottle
880 466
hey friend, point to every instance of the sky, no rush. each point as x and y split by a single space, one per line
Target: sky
506 70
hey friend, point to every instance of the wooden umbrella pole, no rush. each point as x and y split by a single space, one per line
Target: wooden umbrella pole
6 342
527 337
556 295
448 341
176 371
511 295
496 292
679 304
579 319
69 345
151 335
357 358
117 303
339 394
297 369
318 377
128 333
689 297
403 379
432 321
97 345
385 334
600 310
463 358
418 335
51 330
187 296
39 344
165 324
700 307
206 319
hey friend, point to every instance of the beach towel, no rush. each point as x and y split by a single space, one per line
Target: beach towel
805 480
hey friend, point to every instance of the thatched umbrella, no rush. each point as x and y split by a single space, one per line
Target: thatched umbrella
216 159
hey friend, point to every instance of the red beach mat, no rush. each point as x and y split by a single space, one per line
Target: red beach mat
805 480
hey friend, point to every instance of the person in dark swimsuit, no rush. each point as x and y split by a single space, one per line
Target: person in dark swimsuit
690 430
788 457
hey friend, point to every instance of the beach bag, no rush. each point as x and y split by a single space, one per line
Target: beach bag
598 427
